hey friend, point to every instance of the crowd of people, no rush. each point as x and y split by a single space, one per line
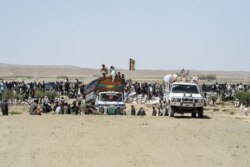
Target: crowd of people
136 90
28 90
60 107
132 89
132 93
225 91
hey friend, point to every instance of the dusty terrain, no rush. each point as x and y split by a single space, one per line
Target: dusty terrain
220 139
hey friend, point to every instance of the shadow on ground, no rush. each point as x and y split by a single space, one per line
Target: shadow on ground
190 117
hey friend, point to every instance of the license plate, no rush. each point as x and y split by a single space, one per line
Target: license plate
187 105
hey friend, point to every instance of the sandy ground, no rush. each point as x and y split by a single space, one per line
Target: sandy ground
66 140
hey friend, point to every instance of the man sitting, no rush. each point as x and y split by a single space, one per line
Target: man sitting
91 109
141 112
74 109
119 111
34 108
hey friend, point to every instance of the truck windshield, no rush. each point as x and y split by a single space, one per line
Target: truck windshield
185 89
111 97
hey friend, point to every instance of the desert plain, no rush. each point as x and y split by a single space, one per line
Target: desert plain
221 138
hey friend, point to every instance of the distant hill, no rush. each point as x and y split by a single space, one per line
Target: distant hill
12 71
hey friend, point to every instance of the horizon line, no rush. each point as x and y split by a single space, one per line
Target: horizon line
141 69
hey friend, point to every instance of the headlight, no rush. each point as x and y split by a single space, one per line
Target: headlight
199 100
176 99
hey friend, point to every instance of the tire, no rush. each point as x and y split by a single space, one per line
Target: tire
171 111
193 114
200 113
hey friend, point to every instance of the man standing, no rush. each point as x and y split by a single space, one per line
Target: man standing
4 107
104 71
133 111
154 112
113 73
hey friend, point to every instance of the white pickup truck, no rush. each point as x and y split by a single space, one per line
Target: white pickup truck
183 97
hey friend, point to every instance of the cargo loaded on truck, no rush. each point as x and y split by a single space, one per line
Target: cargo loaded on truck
106 95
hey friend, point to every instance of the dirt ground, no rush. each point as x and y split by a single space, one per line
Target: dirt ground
219 139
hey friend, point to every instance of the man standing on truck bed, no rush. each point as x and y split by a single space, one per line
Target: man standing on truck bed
113 73
104 71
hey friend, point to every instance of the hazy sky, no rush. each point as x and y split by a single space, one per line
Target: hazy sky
158 34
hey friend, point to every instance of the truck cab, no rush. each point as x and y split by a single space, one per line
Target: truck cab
105 100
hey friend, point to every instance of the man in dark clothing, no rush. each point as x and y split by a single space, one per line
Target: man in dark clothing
160 112
5 108
119 111
91 109
56 105
123 78
119 75
104 71
154 111
74 109
43 86
133 111
141 112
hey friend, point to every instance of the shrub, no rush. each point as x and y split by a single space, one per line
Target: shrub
210 77
7 94
51 94
232 112
21 96
61 77
39 94
244 97
14 113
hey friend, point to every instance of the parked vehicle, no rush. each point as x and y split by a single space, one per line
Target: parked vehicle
182 97
108 96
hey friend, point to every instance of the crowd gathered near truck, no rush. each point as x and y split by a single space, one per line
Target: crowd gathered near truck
108 94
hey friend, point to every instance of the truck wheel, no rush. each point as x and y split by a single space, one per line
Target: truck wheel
200 113
171 111
193 114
